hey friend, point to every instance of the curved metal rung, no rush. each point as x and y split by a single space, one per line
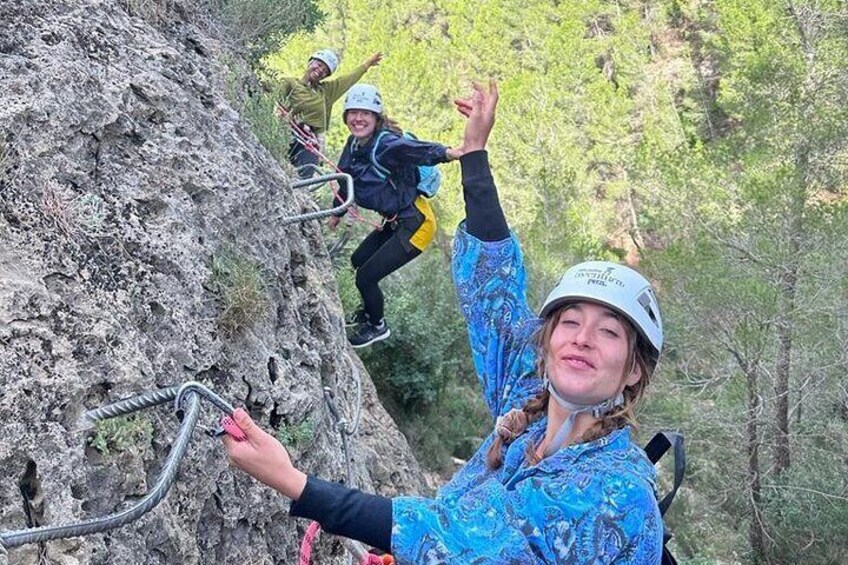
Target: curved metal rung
128 405
153 398
322 213
194 386
316 170
111 521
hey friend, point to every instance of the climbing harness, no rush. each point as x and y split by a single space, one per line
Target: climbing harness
187 404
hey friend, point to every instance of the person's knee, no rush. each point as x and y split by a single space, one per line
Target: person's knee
363 280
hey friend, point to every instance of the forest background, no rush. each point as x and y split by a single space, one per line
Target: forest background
703 141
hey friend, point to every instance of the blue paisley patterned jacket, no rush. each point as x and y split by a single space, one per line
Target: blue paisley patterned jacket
588 503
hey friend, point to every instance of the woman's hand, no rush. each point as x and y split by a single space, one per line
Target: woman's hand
333 222
374 60
453 153
280 111
479 108
264 458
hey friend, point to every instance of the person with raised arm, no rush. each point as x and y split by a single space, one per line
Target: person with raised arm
559 479
307 102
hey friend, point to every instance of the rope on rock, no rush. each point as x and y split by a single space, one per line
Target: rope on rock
312 532
188 398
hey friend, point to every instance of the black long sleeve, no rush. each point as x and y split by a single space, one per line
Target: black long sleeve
346 512
484 217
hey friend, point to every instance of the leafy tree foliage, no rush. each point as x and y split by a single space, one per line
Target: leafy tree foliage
706 142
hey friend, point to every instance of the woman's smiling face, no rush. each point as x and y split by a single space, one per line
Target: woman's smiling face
589 355
361 123
316 70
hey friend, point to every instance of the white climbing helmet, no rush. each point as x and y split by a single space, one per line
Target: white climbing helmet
616 286
328 58
364 97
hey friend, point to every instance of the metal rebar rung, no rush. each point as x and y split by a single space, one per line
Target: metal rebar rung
132 404
205 392
322 213
111 521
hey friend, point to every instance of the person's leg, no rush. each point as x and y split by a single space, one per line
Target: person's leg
410 236
401 248
390 257
368 247
299 156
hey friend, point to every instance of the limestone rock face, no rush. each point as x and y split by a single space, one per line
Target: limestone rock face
124 172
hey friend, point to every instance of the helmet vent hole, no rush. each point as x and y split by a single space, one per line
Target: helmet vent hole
645 301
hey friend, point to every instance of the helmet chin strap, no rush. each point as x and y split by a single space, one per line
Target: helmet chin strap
598 411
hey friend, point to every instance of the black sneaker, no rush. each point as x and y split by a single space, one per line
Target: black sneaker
356 319
368 334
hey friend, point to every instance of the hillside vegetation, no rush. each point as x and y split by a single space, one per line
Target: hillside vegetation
705 142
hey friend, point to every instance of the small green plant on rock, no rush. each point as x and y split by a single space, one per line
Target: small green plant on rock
239 285
296 435
124 433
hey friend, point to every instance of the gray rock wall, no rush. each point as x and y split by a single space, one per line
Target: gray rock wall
123 170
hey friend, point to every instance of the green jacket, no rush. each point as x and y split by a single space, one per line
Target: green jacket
312 104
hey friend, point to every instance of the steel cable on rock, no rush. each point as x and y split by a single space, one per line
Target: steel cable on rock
354 371
187 398
359 554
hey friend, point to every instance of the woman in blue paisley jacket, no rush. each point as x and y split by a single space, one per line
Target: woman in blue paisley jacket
559 480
